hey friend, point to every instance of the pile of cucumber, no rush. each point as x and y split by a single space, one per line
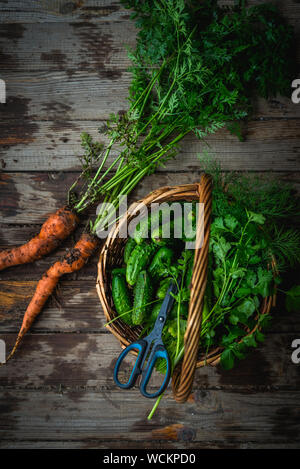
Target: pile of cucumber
150 261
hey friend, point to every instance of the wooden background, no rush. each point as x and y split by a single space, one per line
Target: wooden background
65 69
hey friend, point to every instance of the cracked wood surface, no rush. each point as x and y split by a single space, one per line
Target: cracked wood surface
65 67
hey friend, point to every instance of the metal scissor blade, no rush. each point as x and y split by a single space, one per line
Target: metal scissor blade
165 308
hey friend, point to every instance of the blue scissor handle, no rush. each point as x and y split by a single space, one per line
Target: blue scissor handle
158 352
141 346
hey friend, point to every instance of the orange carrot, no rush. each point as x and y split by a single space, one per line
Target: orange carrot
56 228
74 260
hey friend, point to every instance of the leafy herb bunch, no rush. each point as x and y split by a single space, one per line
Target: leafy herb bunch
248 252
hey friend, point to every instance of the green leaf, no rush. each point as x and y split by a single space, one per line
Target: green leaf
254 260
227 359
243 291
218 273
260 337
256 218
231 222
218 223
233 334
238 273
233 319
264 320
251 278
292 300
249 341
247 307
221 248
265 278
216 289
237 350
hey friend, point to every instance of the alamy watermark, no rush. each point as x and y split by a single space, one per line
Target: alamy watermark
2 351
178 220
296 353
2 92
296 92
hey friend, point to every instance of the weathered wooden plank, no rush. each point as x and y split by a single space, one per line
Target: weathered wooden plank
73 361
147 445
75 306
83 95
27 198
58 96
41 11
229 417
86 45
48 192
97 47
35 11
55 146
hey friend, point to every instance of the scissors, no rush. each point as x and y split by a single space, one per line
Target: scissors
143 346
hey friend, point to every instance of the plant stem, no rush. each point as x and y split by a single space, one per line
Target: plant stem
176 361
79 207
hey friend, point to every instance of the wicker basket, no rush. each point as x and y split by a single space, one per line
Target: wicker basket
112 256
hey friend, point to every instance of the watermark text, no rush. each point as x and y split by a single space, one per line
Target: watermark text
2 351
157 221
2 92
296 92
296 353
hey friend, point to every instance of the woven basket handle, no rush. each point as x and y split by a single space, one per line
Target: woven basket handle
183 376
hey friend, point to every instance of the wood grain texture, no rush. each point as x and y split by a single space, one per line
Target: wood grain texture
75 307
55 95
53 146
28 197
94 443
230 418
100 47
86 360
46 11
87 46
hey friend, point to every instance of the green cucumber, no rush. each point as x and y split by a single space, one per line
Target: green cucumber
119 271
144 227
121 298
164 233
161 262
184 308
154 313
138 260
142 297
163 288
129 247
